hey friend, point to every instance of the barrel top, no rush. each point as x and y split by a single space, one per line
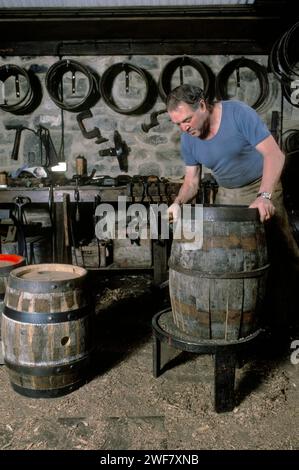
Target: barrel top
49 272
48 275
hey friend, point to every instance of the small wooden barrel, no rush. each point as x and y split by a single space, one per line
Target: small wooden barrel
47 329
7 264
217 291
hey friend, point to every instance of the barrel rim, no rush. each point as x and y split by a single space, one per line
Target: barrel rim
41 285
227 213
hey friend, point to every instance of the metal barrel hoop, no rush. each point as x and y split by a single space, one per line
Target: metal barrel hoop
167 73
54 78
230 67
106 86
33 92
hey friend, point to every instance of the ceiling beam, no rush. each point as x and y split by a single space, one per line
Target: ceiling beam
200 30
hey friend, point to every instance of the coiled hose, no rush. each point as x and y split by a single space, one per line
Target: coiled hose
54 85
28 97
204 71
282 60
107 82
228 69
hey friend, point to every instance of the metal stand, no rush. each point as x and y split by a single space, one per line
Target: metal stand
225 352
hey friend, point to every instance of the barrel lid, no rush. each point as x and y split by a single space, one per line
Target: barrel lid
47 277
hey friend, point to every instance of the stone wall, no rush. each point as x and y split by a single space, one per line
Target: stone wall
156 152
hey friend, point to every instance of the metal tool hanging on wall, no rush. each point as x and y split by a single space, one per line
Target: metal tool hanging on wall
95 133
153 120
46 142
19 128
120 150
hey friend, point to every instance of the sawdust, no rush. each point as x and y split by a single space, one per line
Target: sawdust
123 407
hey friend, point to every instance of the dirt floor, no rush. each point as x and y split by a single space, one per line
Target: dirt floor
123 407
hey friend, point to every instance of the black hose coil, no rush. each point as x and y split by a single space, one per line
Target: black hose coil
106 87
54 86
33 91
282 60
180 62
259 70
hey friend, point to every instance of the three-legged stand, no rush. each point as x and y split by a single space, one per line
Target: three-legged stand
225 352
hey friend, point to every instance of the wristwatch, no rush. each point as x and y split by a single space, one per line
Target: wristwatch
264 195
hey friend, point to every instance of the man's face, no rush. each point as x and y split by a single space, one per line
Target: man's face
193 122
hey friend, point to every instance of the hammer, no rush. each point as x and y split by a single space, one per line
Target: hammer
18 128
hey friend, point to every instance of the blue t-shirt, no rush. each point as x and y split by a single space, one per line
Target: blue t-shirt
231 153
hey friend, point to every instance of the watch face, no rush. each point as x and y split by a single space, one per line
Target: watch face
265 195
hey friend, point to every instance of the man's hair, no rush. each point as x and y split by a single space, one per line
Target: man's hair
189 94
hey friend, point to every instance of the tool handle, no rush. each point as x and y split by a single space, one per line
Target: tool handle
16 146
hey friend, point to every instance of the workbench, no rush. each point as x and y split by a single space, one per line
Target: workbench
53 198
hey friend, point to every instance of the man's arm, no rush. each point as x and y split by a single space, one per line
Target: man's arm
272 168
188 189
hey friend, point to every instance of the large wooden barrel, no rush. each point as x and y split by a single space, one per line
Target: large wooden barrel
7 264
217 291
47 329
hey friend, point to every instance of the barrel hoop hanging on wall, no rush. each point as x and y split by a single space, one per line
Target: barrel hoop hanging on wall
282 62
179 63
287 51
225 73
106 87
54 85
27 99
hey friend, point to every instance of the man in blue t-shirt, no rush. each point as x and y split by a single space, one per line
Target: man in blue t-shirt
229 138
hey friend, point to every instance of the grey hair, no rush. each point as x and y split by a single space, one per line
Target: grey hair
189 94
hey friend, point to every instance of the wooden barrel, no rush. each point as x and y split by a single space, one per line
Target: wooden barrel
47 329
217 291
7 264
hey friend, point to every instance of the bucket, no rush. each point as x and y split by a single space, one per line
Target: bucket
217 291
47 329
7 264
38 249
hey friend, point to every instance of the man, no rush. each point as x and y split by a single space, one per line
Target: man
229 138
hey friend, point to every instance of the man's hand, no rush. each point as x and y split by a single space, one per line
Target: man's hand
174 211
265 207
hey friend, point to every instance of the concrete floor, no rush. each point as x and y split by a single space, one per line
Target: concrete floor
123 407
